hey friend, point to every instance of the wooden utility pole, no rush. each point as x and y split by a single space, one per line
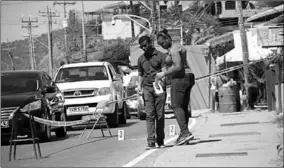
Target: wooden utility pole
154 16
49 14
85 58
9 50
244 45
29 26
65 3
132 23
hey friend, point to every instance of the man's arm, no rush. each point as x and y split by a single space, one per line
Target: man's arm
177 64
140 73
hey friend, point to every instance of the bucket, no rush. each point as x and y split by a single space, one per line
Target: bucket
229 99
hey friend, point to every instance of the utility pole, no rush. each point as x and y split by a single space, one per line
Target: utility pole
132 23
85 58
49 14
154 15
29 26
65 3
9 50
244 45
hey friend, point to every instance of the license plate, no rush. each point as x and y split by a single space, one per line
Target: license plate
5 124
78 109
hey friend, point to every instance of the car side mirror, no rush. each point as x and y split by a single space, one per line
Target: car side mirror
50 89
117 77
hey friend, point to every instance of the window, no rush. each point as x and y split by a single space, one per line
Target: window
244 4
230 5
219 8
77 74
19 82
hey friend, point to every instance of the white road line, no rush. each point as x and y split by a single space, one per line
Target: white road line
147 153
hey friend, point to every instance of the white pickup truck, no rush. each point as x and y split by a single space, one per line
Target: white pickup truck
85 84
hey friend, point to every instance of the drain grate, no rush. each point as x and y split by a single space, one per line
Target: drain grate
234 134
221 154
236 124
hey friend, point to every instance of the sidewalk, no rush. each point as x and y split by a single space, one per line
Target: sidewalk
228 139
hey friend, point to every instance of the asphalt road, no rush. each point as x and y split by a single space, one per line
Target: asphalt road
97 151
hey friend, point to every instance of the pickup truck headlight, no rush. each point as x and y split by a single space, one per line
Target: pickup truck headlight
32 106
104 91
59 98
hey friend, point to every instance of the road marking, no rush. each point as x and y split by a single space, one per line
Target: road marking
147 153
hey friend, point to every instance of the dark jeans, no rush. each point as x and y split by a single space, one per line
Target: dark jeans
180 99
155 110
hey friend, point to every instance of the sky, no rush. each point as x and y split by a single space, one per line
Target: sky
12 12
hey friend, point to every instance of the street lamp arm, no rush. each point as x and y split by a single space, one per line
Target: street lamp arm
129 17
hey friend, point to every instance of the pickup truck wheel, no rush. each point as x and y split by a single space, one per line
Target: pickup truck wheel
113 119
123 115
61 131
45 130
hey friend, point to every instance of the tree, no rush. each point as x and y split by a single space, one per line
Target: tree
194 20
117 53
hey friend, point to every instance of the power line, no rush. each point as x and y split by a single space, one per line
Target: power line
29 26
21 3
65 3
49 14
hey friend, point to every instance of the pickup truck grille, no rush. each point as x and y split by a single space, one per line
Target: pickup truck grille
78 93
5 112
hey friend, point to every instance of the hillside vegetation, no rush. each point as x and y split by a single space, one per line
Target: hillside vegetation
97 49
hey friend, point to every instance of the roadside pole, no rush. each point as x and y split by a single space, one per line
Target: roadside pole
244 46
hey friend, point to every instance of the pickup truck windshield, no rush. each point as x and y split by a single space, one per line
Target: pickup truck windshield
87 73
19 83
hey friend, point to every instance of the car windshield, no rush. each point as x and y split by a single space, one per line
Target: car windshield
76 74
19 82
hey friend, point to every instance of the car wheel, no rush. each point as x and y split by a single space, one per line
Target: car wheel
45 134
122 116
62 131
113 118
128 116
141 115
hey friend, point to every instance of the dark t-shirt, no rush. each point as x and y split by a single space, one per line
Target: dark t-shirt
149 67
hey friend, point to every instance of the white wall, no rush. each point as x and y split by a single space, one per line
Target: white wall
121 29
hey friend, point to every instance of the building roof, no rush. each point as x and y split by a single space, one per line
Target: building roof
275 10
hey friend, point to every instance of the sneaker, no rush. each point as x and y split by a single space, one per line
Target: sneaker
161 145
151 146
184 138
179 136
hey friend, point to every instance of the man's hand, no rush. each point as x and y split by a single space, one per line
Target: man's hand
160 75
139 90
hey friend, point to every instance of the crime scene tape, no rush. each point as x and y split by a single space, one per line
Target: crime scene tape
94 116
224 71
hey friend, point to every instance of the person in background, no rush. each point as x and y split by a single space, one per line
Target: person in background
181 83
149 64
220 80
238 78
214 94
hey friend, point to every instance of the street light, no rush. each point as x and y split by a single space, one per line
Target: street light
129 17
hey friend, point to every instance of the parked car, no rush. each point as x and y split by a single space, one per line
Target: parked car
85 84
34 91
136 106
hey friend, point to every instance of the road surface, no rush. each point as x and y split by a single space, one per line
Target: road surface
97 151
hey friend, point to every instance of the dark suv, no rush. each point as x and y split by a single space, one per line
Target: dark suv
34 91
